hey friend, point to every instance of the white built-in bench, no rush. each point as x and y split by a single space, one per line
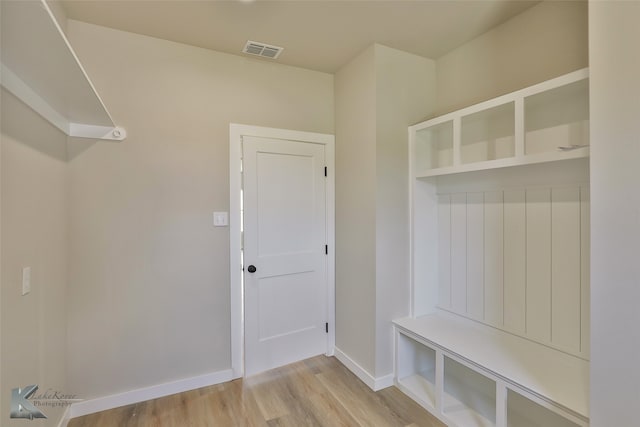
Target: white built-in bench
469 374
500 255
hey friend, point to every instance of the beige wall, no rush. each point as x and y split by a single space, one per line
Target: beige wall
148 297
405 93
355 95
34 217
149 282
545 41
615 206
378 95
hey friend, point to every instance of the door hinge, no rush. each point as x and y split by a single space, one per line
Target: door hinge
325 171
326 327
326 249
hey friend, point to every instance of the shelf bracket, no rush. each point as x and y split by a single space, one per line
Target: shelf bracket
39 67
97 132
24 93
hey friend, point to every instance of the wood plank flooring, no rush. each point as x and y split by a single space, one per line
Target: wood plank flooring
315 392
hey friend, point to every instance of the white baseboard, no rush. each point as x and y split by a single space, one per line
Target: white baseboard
66 416
384 382
91 406
372 382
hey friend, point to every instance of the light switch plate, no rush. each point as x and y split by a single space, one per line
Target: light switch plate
26 280
220 219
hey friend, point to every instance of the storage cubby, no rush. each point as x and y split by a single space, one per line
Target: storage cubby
486 377
434 146
539 124
416 370
522 412
488 134
469 397
498 333
557 119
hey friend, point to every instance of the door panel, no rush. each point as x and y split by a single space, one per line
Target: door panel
284 238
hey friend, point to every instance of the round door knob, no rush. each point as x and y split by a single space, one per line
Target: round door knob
252 269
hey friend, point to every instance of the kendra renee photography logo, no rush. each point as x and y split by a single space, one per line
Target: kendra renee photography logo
25 402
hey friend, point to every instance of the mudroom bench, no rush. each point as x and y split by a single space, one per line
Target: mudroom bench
470 374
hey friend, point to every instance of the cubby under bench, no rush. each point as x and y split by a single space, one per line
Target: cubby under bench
469 374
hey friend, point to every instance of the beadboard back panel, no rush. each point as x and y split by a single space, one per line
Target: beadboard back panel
518 259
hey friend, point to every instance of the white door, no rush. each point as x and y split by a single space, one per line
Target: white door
285 265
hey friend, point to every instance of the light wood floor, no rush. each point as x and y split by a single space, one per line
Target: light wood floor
315 392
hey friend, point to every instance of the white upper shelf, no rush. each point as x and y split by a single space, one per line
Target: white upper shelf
542 123
39 67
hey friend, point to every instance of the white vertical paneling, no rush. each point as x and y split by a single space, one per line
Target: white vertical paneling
493 258
585 253
459 253
444 251
565 268
514 261
518 260
475 255
538 247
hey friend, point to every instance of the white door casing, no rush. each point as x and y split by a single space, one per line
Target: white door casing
284 252
289 218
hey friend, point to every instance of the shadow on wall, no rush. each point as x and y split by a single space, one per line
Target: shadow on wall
19 122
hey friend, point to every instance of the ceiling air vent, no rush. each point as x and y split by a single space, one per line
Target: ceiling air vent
261 49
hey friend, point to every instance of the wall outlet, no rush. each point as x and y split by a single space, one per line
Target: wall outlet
26 280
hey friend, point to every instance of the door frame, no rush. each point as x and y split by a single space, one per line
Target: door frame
236 132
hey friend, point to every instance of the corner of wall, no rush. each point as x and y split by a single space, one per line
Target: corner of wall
405 94
355 115
373 382
59 12
33 162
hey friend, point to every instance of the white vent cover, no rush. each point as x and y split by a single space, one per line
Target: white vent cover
262 49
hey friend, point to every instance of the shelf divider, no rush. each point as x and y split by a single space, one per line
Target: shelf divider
457 141
521 154
519 127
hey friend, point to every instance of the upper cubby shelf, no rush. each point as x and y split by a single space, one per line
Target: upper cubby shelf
542 123
40 68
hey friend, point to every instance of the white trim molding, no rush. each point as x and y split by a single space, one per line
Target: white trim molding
99 404
66 417
236 132
372 382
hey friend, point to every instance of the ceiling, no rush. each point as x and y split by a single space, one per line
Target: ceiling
316 34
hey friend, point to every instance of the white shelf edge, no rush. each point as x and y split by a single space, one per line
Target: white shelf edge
107 133
415 386
514 333
554 407
26 94
563 80
23 92
506 162
460 418
554 83
465 412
